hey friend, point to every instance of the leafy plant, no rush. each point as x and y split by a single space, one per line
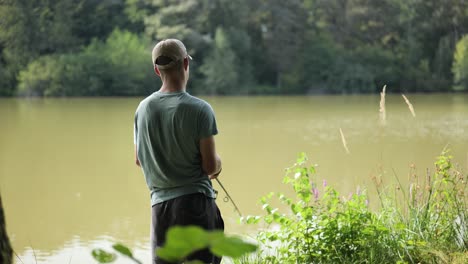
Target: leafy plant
319 229
425 222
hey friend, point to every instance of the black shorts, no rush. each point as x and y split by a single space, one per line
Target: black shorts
192 209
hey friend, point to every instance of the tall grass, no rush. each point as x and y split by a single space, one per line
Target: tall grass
431 220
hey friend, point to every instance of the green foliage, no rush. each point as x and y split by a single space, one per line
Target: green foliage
118 66
220 68
233 247
102 256
123 250
428 220
181 241
320 228
42 76
240 47
423 223
460 65
33 28
129 64
137 11
29 29
97 19
427 224
177 19
315 74
327 67
282 25
6 80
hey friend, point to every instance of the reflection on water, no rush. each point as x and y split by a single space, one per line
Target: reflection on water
69 183
78 251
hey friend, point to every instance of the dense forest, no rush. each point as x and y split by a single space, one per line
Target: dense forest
102 47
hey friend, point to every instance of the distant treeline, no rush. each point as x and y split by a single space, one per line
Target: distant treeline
102 47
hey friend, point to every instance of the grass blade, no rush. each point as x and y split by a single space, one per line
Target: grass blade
410 106
343 139
382 112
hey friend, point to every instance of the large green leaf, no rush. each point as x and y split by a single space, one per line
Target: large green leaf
181 241
102 256
234 247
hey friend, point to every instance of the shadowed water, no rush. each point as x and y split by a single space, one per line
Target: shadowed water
69 183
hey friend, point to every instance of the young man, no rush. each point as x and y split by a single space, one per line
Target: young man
175 147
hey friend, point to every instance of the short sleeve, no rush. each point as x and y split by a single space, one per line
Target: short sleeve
207 122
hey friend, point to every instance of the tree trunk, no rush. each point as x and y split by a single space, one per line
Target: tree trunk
6 252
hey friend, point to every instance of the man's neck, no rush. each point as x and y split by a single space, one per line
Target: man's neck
168 87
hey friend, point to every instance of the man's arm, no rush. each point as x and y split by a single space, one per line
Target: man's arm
137 161
211 162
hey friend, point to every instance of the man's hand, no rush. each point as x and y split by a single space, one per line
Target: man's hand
214 176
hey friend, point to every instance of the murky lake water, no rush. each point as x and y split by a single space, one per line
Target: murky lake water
69 183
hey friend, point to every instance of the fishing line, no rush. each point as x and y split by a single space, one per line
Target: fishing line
228 198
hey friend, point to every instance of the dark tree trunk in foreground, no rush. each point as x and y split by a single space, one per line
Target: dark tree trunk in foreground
6 252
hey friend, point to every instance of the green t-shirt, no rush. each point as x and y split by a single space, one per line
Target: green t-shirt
168 128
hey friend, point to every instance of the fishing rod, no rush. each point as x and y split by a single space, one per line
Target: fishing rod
229 198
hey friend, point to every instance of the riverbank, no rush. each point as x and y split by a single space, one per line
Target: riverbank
424 221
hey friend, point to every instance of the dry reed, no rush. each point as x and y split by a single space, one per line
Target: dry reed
410 106
383 114
343 139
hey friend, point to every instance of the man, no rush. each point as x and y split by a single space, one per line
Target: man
175 147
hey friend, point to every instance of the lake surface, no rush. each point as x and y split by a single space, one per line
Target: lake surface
69 183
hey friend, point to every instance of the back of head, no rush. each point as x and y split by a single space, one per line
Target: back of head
168 56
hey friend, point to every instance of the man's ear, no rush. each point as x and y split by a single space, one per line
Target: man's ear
156 70
186 63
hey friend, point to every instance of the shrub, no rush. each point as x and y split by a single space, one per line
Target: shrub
320 228
119 66
40 77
